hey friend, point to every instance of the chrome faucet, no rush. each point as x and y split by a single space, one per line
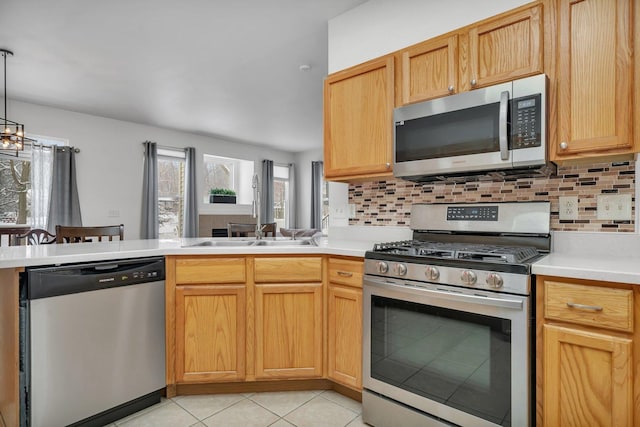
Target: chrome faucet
255 184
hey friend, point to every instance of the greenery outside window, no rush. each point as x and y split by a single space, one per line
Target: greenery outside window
170 192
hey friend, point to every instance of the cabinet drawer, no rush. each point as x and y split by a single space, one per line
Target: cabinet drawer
210 270
288 269
589 305
346 272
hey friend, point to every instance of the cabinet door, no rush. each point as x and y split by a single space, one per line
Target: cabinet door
358 121
288 330
430 69
345 335
594 79
588 378
506 48
210 333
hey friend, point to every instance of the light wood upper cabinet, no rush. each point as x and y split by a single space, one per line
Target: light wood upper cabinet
210 333
587 353
430 69
595 79
288 330
358 121
504 48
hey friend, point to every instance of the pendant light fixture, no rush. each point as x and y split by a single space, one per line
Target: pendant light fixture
12 133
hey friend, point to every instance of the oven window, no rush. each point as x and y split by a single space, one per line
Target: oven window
459 359
461 132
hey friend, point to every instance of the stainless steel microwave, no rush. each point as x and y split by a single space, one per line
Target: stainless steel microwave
499 130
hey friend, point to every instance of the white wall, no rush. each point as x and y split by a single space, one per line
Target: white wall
303 185
378 27
110 163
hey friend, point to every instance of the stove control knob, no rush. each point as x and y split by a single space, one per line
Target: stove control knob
468 277
383 267
400 269
494 280
432 273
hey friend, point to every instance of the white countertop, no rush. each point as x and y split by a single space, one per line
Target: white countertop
26 256
612 257
347 241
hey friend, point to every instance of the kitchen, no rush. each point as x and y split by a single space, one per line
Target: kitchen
365 209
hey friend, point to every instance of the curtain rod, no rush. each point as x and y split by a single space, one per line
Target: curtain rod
32 144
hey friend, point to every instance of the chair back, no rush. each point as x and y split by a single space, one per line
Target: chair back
235 229
269 229
36 236
69 234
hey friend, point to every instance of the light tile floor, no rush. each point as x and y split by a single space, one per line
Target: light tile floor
275 409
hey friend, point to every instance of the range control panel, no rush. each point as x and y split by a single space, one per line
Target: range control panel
472 213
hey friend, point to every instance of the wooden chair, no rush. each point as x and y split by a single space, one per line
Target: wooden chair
269 229
9 234
294 233
235 229
36 236
68 234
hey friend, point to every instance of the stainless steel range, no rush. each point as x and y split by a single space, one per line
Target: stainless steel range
448 317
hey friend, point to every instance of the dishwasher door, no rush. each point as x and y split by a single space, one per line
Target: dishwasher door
93 349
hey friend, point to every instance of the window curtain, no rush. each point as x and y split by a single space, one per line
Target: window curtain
316 195
266 202
150 228
293 219
64 206
41 174
190 228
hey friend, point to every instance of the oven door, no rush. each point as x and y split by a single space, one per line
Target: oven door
459 355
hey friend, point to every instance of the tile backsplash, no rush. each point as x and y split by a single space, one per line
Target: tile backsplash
389 202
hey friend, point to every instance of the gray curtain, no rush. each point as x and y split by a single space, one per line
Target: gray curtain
64 207
293 219
190 228
316 195
266 202
149 227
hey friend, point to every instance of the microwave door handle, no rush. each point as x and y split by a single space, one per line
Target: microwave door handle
502 133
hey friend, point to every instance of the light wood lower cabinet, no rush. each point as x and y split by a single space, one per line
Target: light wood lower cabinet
587 347
261 318
587 378
344 321
210 333
288 330
344 335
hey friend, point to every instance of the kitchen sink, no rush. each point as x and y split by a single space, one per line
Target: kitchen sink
221 243
289 242
243 243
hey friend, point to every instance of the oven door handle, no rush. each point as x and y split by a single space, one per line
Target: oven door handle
451 295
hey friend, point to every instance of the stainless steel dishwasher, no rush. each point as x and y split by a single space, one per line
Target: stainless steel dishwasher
92 341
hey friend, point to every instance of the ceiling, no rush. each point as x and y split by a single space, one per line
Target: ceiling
227 69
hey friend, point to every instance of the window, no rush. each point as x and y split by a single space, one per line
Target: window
17 178
170 192
325 206
281 201
228 173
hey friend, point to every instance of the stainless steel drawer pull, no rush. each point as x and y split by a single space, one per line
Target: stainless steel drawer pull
584 307
345 274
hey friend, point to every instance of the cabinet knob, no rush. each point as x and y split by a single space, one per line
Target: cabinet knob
388 165
564 145
451 88
473 83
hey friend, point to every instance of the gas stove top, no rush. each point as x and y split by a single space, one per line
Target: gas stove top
485 246
460 251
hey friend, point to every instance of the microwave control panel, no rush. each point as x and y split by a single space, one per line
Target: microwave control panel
526 122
